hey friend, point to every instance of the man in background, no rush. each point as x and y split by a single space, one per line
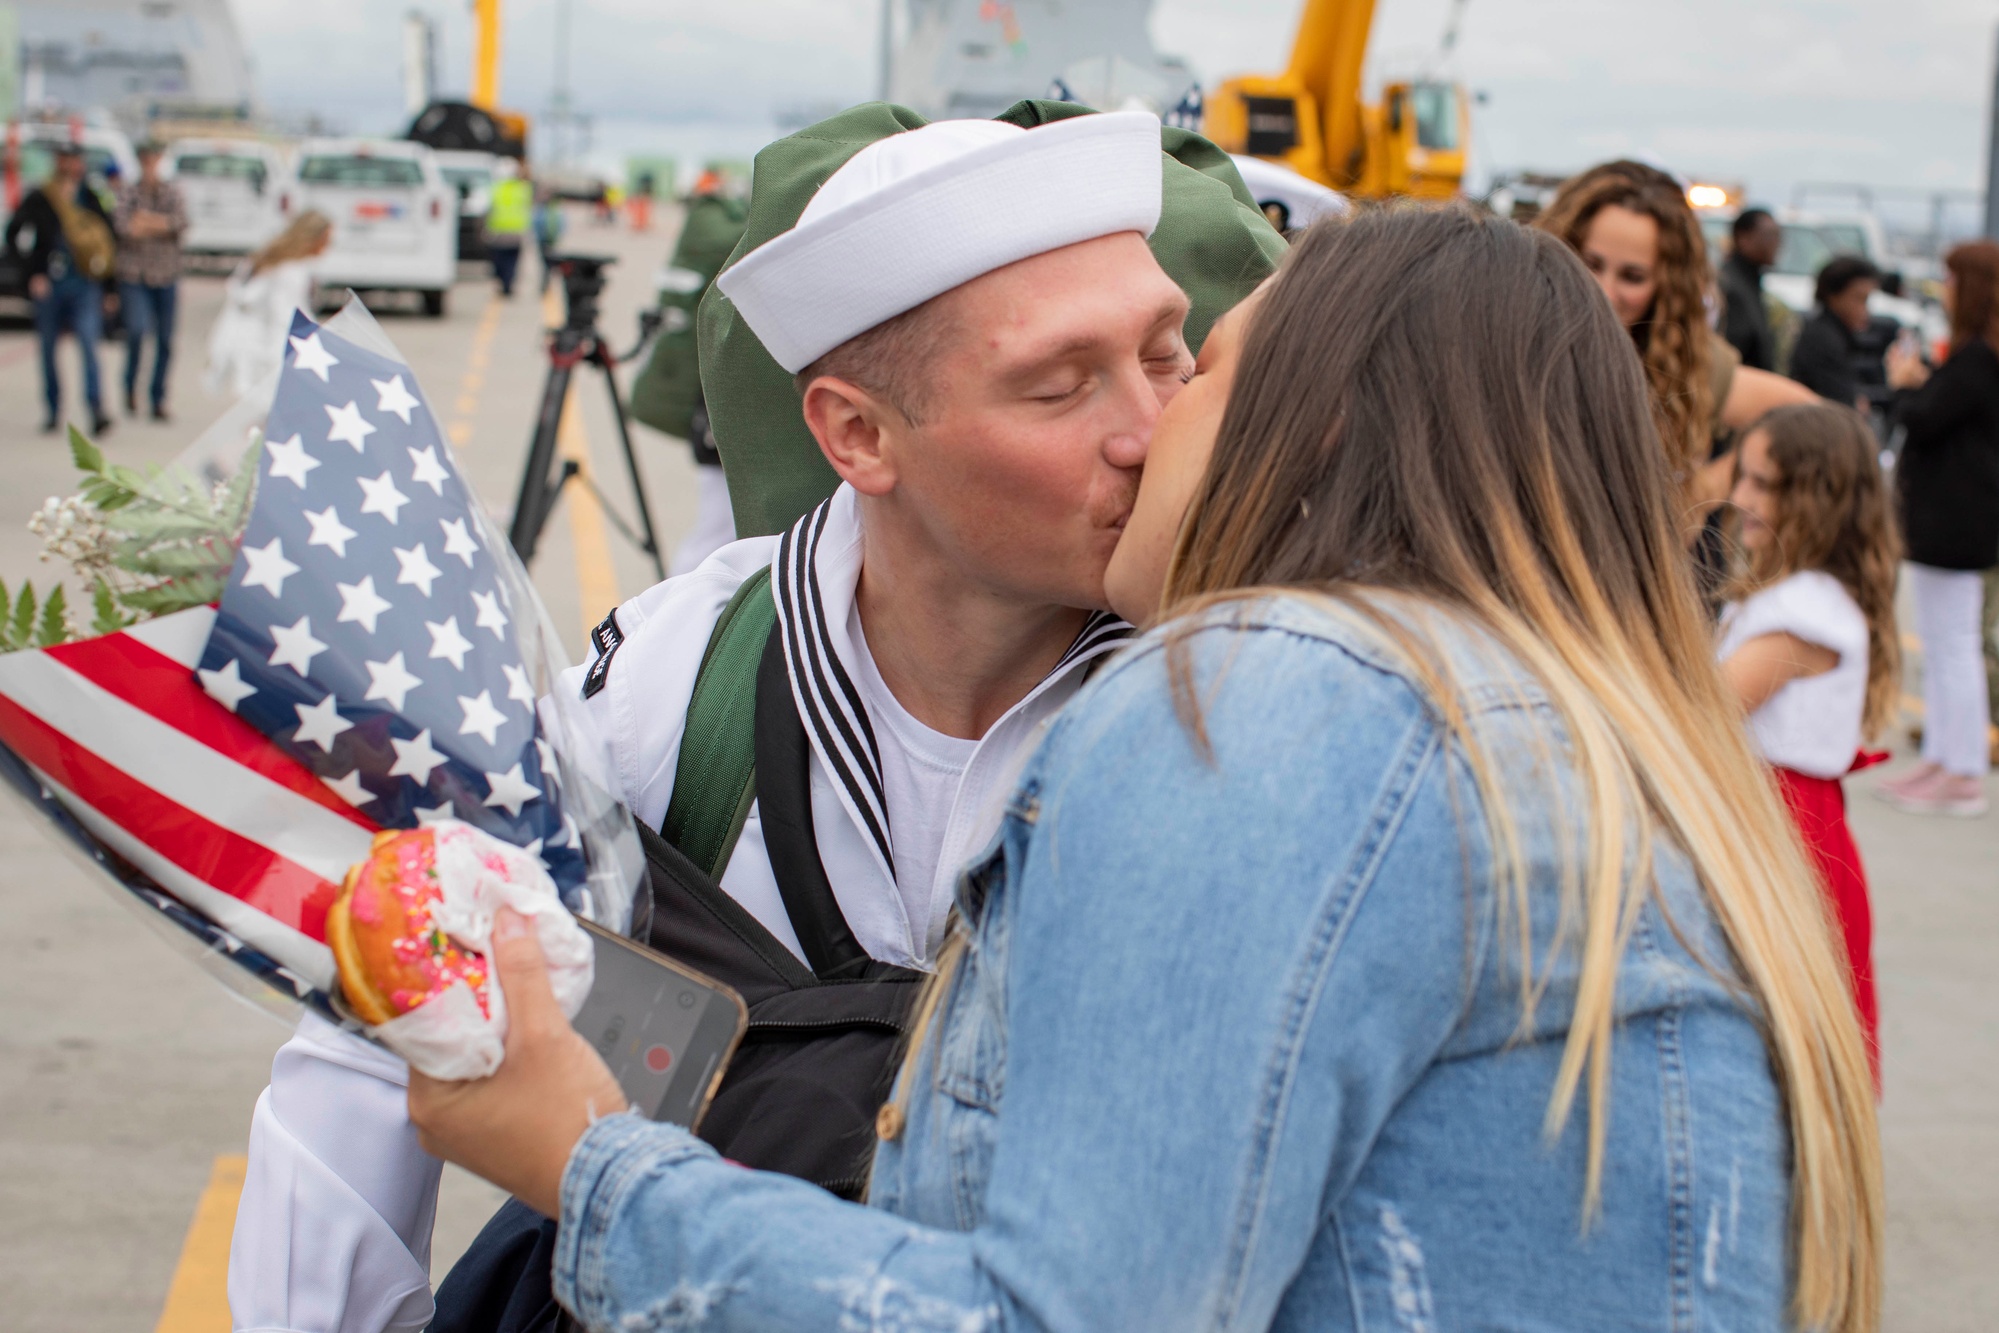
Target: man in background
507 221
151 219
72 251
1753 244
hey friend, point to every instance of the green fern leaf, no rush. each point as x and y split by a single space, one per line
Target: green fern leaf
21 625
54 627
87 456
108 619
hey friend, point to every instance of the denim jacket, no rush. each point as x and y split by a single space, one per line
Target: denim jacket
1238 1043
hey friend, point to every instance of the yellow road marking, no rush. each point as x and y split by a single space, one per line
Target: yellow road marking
198 1296
459 432
596 578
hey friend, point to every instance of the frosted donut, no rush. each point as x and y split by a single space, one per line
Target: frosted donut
392 955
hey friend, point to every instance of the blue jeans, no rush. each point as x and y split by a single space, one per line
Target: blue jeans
506 261
148 309
75 303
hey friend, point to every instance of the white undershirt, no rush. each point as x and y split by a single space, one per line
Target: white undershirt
921 771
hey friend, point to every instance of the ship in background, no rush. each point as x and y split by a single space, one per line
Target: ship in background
976 58
134 60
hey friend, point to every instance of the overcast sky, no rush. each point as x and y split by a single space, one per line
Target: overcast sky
1773 92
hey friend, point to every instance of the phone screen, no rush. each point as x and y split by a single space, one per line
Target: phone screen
666 1031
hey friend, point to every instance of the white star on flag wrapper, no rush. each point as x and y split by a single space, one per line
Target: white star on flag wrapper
347 616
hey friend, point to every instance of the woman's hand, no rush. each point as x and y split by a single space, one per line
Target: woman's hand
517 1126
1905 367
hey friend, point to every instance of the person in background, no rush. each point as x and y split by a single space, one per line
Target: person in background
71 253
667 393
1947 477
1809 642
508 220
1521 1012
1632 227
151 218
248 340
1754 240
640 207
1830 350
547 228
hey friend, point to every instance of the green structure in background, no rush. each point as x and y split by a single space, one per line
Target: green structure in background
10 59
664 172
1211 239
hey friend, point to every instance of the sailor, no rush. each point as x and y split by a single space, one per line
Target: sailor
933 367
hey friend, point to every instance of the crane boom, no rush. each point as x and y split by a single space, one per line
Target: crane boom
486 53
1327 58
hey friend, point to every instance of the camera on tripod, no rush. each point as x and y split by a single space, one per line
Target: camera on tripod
574 342
582 283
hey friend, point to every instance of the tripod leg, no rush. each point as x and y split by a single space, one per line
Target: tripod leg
538 484
602 356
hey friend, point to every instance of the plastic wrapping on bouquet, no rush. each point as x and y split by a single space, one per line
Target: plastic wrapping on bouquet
378 658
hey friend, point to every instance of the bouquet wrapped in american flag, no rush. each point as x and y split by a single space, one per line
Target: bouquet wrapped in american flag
288 662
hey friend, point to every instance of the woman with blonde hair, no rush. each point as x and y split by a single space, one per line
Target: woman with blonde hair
1631 225
248 340
1401 935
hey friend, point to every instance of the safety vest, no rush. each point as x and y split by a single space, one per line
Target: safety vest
512 209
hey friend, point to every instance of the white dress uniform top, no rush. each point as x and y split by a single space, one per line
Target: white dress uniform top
333 1233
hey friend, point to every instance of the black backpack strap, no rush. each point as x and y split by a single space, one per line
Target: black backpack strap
784 805
714 780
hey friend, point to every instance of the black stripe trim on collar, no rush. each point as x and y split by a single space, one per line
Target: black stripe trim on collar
831 705
1101 629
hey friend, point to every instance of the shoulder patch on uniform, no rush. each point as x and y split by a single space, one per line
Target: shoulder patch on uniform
606 639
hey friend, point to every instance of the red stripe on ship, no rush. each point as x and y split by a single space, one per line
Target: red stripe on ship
154 683
279 888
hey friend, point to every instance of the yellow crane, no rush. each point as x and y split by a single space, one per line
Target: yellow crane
1311 117
486 54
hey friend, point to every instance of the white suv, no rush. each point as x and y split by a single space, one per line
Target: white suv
395 220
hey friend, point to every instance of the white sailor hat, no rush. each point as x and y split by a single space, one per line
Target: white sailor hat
915 214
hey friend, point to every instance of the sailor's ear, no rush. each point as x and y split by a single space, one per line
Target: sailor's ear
856 432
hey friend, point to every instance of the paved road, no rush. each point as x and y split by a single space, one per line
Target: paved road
124 1070
125 1073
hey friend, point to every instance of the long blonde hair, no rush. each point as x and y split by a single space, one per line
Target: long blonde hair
1439 409
1673 339
1437 416
301 240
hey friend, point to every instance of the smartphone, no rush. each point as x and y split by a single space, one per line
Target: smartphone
666 1031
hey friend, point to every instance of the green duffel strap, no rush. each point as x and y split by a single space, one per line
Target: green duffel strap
715 781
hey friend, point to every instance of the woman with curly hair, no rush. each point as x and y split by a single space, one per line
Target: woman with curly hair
1631 225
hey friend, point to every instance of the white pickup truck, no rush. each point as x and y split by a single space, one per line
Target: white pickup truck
395 219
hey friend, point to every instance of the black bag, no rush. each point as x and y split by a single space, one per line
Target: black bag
816 1062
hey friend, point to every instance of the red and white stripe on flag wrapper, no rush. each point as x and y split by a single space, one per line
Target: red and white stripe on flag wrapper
196 798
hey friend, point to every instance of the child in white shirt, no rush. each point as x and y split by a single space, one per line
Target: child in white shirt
1808 638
